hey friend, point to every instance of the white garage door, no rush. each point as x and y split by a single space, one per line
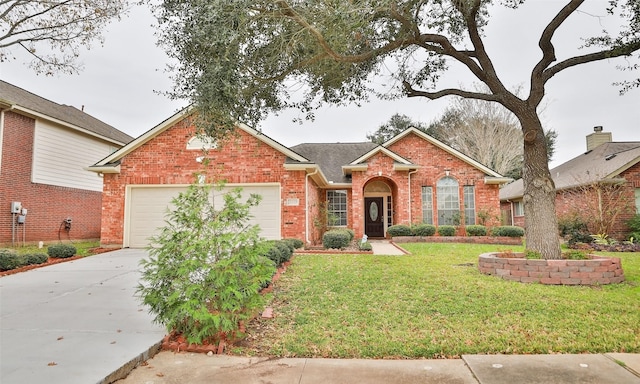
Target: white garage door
147 207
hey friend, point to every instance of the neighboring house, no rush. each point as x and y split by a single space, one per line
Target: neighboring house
44 148
363 186
601 187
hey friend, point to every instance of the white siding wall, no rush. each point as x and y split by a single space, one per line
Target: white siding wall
61 154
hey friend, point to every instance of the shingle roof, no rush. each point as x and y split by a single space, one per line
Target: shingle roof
17 96
332 156
605 161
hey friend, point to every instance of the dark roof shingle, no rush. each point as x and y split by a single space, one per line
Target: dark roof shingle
13 95
330 157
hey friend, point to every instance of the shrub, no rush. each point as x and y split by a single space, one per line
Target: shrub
423 230
366 246
206 266
476 230
634 225
279 251
295 243
9 259
530 254
61 250
336 239
507 231
575 255
350 232
399 230
446 230
35 258
574 230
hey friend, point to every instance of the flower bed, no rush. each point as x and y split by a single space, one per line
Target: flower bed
504 240
598 270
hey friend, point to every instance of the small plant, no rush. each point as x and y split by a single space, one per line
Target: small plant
399 230
365 246
279 251
9 259
476 230
446 230
295 243
575 255
61 251
529 254
423 230
603 239
483 216
574 230
507 231
634 226
336 239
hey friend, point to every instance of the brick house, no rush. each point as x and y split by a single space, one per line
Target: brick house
601 187
363 186
44 147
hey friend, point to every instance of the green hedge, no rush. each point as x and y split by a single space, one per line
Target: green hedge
476 230
446 230
61 250
507 231
279 251
423 230
336 238
9 259
399 230
35 258
294 243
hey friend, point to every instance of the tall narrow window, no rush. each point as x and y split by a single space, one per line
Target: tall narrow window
427 205
337 208
518 208
469 205
448 201
389 212
638 201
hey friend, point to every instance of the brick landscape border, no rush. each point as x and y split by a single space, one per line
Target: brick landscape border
598 270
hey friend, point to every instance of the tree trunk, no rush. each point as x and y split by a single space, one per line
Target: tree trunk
541 224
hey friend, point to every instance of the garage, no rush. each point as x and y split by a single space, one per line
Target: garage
146 206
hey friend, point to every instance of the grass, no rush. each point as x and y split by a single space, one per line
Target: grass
435 304
83 248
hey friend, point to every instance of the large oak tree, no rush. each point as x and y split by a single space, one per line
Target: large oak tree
241 60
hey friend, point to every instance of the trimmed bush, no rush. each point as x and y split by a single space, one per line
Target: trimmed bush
476 230
35 258
351 233
446 230
507 231
423 230
61 250
295 243
279 251
9 259
366 246
399 230
574 230
336 239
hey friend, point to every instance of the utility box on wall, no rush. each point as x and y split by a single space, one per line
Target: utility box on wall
16 207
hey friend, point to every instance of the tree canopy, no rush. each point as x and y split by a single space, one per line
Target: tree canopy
52 32
241 60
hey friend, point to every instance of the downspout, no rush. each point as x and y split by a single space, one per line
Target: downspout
410 173
306 205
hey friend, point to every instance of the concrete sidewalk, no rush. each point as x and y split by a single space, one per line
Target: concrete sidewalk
171 368
385 247
74 322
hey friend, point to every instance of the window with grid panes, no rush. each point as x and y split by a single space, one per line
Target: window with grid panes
469 205
427 205
448 201
337 208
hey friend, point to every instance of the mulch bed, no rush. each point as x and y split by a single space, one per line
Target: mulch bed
52 261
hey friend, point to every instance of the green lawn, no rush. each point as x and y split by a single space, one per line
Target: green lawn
83 247
433 304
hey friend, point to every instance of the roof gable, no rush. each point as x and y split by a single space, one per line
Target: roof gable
24 102
444 147
332 156
111 162
605 162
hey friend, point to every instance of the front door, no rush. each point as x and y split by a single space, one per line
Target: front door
374 217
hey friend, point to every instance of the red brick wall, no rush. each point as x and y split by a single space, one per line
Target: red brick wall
47 205
435 162
165 160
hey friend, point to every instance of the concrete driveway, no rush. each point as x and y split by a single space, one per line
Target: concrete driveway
75 322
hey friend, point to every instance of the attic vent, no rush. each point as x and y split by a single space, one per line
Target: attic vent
609 157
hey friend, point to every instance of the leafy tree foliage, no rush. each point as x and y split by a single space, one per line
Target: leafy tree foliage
62 25
397 124
206 267
241 60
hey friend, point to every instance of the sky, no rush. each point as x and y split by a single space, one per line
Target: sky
122 83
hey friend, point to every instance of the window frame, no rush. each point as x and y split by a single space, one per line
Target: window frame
337 207
469 204
518 208
427 204
448 200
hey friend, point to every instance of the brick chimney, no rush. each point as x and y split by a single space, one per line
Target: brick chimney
598 137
